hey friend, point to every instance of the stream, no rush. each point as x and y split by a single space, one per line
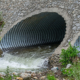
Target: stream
27 59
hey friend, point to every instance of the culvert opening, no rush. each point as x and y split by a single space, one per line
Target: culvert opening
44 28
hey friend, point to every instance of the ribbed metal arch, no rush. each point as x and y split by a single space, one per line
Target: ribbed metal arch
43 28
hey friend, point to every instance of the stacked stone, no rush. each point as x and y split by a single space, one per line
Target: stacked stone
54 60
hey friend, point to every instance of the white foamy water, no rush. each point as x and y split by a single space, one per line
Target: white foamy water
26 59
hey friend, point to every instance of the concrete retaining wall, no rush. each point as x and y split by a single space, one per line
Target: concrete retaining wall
16 10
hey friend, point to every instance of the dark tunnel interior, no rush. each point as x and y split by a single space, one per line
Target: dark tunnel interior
43 28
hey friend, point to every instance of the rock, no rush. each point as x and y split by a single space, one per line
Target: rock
33 75
54 60
39 73
15 79
43 78
25 76
19 78
15 73
2 74
54 69
78 55
63 79
35 78
45 64
68 66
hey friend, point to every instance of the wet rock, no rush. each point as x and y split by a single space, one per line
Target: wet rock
35 78
54 69
40 73
68 66
15 73
45 64
25 76
13 79
43 78
78 55
19 78
33 75
54 60
2 74
64 79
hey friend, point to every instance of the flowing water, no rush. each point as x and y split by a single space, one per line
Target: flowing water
27 59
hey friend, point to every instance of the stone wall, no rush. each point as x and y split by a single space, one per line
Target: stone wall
16 10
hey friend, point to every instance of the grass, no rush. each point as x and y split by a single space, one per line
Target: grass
51 77
8 75
74 74
76 70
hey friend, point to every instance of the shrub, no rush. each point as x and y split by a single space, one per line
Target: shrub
68 55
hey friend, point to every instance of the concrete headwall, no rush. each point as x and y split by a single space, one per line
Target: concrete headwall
16 10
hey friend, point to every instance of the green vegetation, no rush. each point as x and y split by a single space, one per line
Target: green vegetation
8 75
68 55
76 71
73 72
67 72
2 23
50 77
1 78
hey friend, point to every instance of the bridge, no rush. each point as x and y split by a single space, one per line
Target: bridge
17 12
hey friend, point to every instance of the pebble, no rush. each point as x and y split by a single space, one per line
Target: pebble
19 78
2 74
15 73
33 74
68 66
43 78
54 69
35 78
25 75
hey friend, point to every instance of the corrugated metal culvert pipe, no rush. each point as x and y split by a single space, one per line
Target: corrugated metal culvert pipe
43 28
